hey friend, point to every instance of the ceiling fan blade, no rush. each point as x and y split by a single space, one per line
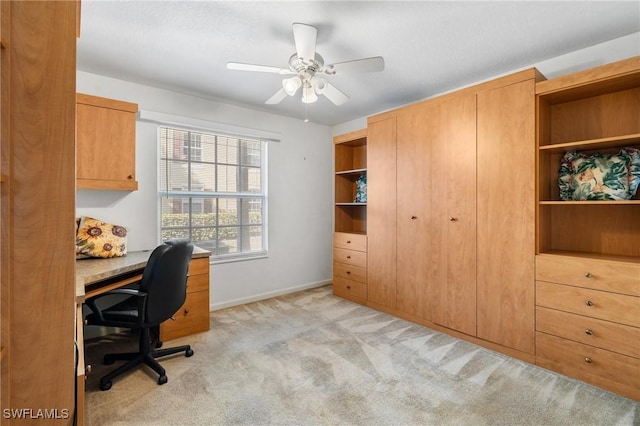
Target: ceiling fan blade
359 65
259 68
334 94
277 98
305 38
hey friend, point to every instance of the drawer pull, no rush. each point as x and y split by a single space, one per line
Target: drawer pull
588 275
348 241
348 287
348 272
453 219
348 257
414 217
588 303
589 332
587 360
186 311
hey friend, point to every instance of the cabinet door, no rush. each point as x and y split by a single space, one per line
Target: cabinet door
381 212
105 143
453 203
506 215
415 130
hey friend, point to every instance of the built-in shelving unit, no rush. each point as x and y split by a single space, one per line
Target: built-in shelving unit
350 164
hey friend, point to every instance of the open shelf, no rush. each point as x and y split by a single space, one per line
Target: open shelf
593 144
350 164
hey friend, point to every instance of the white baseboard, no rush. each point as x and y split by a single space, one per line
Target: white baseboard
263 296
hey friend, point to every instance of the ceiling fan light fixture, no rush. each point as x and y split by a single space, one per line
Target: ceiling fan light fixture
320 85
308 94
291 85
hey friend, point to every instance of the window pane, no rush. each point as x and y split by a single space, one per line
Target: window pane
251 153
228 239
203 177
251 180
252 238
173 213
169 234
203 148
228 178
227 211
227 150
251 211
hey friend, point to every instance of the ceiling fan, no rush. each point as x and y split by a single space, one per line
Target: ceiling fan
308 68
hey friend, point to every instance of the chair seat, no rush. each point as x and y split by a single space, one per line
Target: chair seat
125 311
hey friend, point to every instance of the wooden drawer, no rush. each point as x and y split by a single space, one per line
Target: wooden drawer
598 274
599 367
592 303
350 272
614 337
350 257
350 241
199 266
192 317
349 289
197 283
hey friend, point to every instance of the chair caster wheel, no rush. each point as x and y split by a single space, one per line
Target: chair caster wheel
158 344
162 380
188 353
108 361
105 386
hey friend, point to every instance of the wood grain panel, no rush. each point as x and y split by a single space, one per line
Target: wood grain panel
608 370
192 317
350 257
350 272
453 204
414 221
598 274
350 241
607 335
381 212
40 202
350 289
506 217
591 303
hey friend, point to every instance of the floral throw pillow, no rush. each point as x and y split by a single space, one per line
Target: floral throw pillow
600 177
361 189
95 238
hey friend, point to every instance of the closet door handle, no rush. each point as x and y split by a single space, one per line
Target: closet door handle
588 303
588 275
588 360
414 217
588 332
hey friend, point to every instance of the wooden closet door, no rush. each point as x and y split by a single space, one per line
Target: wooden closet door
415 128
453 203
381 212
506 215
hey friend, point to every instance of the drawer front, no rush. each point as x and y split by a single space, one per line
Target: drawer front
350 257
350 272
597 274
199 266
350 241
591 303
192 317
348 288
602 368
197 283
614 337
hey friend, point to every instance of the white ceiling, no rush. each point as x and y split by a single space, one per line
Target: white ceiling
429 47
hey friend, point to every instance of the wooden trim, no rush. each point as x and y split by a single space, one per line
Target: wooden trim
118 284
590 77
516 77
121 185
82 98
351 137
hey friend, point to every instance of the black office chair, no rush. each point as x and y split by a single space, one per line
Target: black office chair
162 291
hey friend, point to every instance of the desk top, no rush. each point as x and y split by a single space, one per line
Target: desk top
90 271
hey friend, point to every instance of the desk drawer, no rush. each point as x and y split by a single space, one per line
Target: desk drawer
597 274
591 303
614 337
192 317
350 241
199 266
602 368
349 272
350 257
197 283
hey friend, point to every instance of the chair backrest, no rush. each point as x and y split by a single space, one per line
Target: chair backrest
164 279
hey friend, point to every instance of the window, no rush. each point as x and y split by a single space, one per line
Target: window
212 191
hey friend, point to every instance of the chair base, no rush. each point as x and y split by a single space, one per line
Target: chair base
144 356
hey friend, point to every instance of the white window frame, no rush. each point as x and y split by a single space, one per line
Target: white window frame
189 195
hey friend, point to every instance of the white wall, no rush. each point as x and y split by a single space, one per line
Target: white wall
300 185
589 57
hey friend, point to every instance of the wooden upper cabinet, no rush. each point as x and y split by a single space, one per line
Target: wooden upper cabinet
106 143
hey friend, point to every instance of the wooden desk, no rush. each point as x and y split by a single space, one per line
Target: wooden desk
97 276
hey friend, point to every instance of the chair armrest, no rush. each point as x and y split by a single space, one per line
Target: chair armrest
141 295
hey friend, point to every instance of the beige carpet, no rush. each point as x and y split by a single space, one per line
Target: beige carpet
314 359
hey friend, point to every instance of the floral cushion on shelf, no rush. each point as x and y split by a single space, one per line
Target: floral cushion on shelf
361 189
95 238
600 177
